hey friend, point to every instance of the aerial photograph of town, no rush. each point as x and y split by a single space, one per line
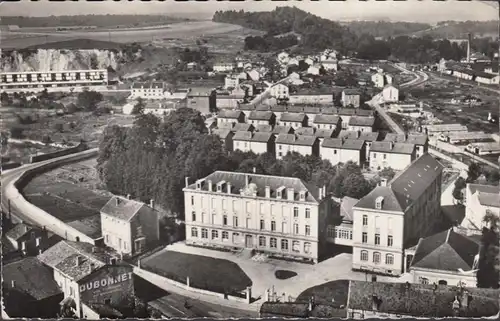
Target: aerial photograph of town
250 160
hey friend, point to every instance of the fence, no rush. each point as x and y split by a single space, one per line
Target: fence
38 158
10 165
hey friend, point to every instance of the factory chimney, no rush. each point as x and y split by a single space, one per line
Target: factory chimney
469 40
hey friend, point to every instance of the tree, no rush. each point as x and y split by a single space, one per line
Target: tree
16 132
89 99
488 274
59 127
387 173
473 172
139 107
355 186
4 138
46 139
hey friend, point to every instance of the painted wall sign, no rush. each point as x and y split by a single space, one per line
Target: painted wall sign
104 282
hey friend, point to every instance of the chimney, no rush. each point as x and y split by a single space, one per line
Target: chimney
78 261
268 191
152 203
247 180
13 283
320 194
128 196
391 144
38 241
228 187
324 191
117 201
23 245
186 180
91 267
254 170
210 186
290 194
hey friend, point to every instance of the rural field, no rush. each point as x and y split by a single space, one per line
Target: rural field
183 30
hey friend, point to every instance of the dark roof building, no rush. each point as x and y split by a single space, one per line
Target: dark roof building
355 134
390 147
362 121
261 115
354 144
265 128
327 119
231 114
292 139
293 117
417 139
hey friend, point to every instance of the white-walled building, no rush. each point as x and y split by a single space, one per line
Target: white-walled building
445 258
224 66
390 93
338 150
480 199
152 90
351 97
304 145
331 64
389 154
394 217
294 120
261 118
367 137
50 79
231 82
378 80
362 124
129 226
322 121
313 70
230 116
279 216
279 91
258 142
421 141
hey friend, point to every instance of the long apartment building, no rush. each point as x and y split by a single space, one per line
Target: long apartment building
280 216
47 79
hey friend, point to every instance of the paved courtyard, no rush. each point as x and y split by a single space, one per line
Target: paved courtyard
261 270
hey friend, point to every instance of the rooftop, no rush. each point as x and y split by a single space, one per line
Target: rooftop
277 129
347 111
355 144
319 91
265 128
148 85
394 148
446 251
259 137
122 208
31 277
326 119
346 205
261 115
420 300
353 134
18 231
445 127
292 139
230 114
257 184
293 117
221 132
351 92
362 121
417 139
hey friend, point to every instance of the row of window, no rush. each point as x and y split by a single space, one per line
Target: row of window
248 205
364 239
273 242
389 258
377 222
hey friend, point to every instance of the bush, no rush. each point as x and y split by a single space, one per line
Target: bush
284 274
16 132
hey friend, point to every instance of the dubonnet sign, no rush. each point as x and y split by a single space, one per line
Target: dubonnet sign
104 282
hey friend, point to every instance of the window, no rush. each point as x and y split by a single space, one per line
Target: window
385 156
377 239
273 225
262 224
389 259
295 212
423 280
307 247
215 234
389 224
364 256
273 243
295 228
296 246
374 155
364 237
225 235
389 240
224 204
213 218
308 213
193 216
334 152
235 221
284 228
376 257
262 241
284 245
192 200
248 207
235 205
204 233
365 220
248 222
308 230
107 238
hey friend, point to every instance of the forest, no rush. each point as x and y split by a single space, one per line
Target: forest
151 159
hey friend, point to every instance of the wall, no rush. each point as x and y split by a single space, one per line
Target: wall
303 150
367 129
453 279
341 155
149 220
11 165
311 99
114 231
396 161
38 158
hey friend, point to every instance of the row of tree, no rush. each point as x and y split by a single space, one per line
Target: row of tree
270 43
151 159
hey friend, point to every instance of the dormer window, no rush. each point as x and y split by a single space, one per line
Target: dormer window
198 185
278 194
219 188
302 196
379 203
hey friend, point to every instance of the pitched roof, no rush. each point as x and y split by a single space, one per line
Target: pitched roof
18 231
305 131
324 133
355 144
446 251
228 126
275 108
326 119
361 121
265 128
417 139
252 137
346 207
258 184
445 127
420 300
243 136
221 132
311 110
487 199
30 277
292 139
231 114
261 115
278 129
391 202
351 92
242 127
393 148
354 134
246 107
295 109
122 208
293 117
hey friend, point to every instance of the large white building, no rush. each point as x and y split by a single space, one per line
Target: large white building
389 154
280 216
479 200
390 94
49 79
394 216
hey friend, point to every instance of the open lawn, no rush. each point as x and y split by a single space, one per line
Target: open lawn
334 291
61 208
204 272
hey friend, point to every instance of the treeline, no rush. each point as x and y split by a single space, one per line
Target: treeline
459 29
89 20
270 43
318 34
385 29
151 159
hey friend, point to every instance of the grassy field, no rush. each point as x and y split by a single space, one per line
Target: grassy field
204 272
334 291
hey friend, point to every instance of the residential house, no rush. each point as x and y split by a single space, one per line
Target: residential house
420 141
280 216
389 154
242 127
310 111
278 110
480 200
129 227
264 128
304 145
29 290
28 240
487 78
229 101
313 70
202 99
375 300
321 134
247 109
293 120
253 75
333 122
438 129
331 64
277 130
86 273
390 93
261 118
346 114
445 258
231 82
379 80
226 135
256 142
362 124
341 234
224 66
315 96
395 215
230 116
368 137
351 97
279 91
151 90
338 150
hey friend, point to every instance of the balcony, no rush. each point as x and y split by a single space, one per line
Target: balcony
341 235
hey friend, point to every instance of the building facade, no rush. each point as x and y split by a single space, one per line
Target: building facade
338 150
390 94
50 79
304 145
389 154
275 215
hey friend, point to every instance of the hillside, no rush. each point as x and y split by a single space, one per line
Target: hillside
385 29
459 29
316 32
